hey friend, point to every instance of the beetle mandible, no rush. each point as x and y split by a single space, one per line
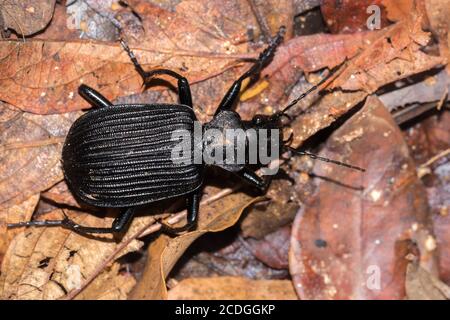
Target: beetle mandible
120 156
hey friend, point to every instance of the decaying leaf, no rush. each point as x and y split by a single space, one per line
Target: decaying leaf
268 216
395 54
352 16
47 263
352 243
14 214
421 285
164 252
232 288
43 76
438 12
30 148
273 249
432 88
426 140
25 17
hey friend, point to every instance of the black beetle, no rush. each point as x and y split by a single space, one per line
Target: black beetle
120 156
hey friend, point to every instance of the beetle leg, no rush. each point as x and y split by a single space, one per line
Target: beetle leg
94 97
264 58
253 179
119 224
193 204
184 90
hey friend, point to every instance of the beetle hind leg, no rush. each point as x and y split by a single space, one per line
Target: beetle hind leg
119 224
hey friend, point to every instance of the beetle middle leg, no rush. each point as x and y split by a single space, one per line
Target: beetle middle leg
119 224
184 90
264 58
193 204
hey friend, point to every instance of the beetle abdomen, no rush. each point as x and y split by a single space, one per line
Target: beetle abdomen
121 156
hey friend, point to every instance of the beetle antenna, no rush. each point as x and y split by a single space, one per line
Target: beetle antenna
333 74
315 156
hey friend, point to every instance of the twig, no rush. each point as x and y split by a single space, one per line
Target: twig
436 158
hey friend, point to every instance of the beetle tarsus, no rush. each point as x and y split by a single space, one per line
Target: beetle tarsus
265 57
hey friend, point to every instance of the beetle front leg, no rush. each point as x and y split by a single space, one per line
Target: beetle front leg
184 90
264 58
253 179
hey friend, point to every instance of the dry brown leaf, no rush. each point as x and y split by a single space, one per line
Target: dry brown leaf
349 16
30 147
44 76
268 216
398 9
14 214
421 285
395 54
164 252
25 16
352 244
438 12
47 263
232 288
273 248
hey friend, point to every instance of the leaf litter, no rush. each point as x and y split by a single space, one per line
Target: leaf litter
39 82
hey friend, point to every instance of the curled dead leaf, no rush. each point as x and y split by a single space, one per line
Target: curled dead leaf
352 243
47 263
25 16
30 147
164 252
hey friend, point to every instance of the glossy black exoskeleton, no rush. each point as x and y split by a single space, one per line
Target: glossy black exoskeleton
120 156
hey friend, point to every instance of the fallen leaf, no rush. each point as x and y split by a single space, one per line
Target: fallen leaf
421 285
14 214
427 139
273 249
380 63
30 147
47 263
438 12
26 16
430 89
232 288
226 253
164 252
351 16
43 76
266 217
399 9
351 243
395 54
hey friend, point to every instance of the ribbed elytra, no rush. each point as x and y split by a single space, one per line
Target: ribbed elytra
120 156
